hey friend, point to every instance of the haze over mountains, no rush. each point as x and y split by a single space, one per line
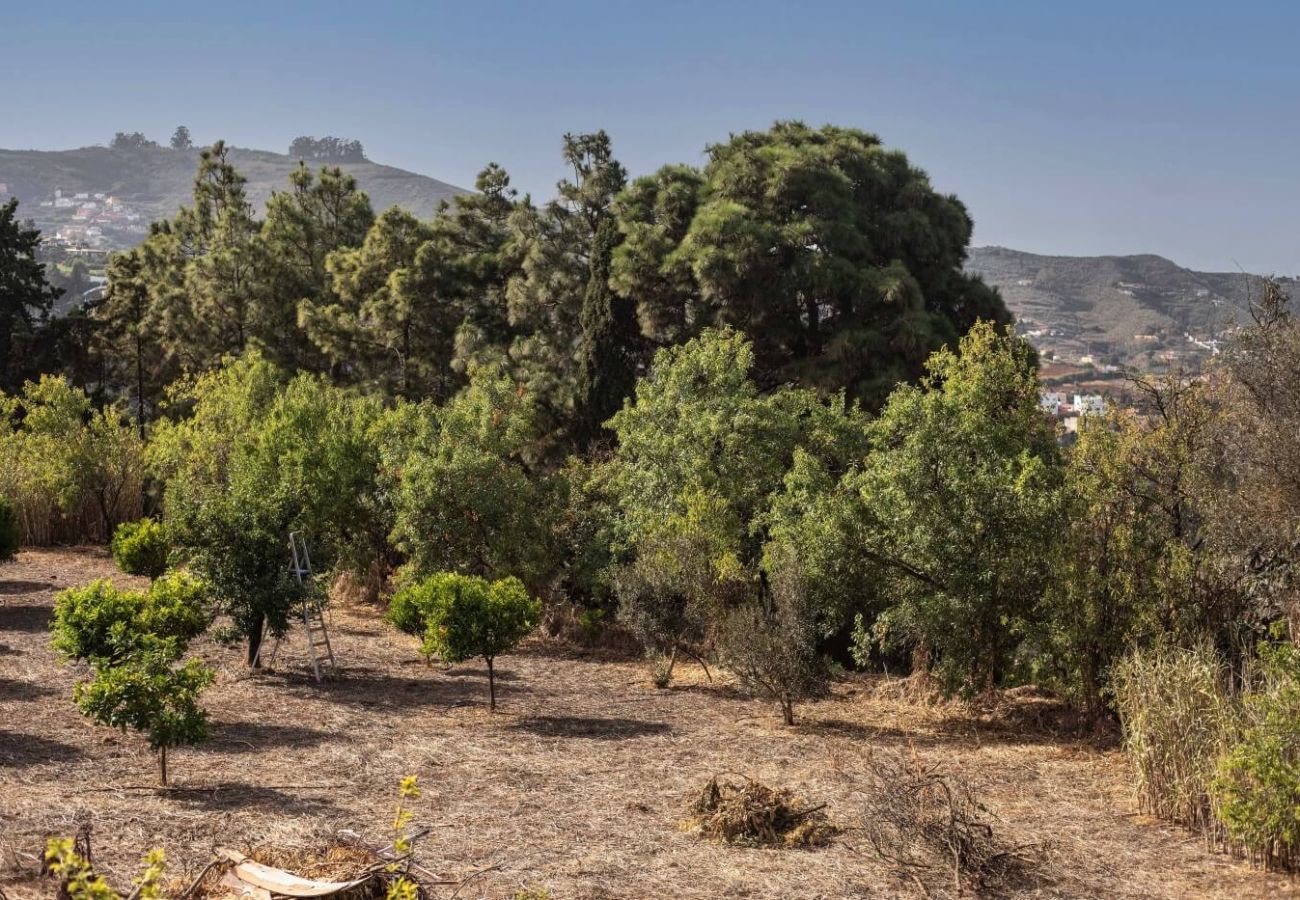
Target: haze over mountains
153 182
1142 312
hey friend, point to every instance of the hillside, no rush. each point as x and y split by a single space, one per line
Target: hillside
1137 311
152 183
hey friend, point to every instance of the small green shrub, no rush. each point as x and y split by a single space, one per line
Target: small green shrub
100 623
146 693
132 640
1177 717
463 616
1257 790
10 535
141 548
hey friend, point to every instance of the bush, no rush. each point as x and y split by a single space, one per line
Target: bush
10 536
101 624
1177 717
775 653
463 616
1257 790
145 692
72 472
141 548
132 640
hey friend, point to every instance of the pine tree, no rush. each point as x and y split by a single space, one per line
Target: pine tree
25 295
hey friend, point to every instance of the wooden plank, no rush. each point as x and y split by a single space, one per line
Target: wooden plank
278 881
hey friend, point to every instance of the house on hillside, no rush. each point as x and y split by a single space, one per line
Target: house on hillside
1089 405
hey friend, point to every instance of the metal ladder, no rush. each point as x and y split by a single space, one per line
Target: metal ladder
313 617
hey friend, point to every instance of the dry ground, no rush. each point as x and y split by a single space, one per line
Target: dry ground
576 785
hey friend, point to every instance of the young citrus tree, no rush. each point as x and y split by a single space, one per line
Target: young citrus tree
134 642
464 616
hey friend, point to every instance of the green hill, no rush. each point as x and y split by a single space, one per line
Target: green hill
1143 311
153 182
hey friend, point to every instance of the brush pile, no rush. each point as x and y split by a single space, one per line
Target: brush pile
920 818
755 815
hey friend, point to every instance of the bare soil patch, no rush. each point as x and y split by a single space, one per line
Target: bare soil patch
576 785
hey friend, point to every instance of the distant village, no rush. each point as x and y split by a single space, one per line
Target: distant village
91 220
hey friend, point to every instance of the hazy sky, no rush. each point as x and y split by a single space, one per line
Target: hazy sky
1165 127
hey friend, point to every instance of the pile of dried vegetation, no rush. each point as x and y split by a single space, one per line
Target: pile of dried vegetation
924 820
753 814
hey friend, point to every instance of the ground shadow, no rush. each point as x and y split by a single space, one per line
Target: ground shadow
6 650
25 618
361 689
236 795
251 737
23 690
595 728
9 587
502 675
19 750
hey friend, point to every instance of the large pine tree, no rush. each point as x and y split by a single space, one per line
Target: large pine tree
25 296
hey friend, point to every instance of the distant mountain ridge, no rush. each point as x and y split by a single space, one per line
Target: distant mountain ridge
153 182
1143 311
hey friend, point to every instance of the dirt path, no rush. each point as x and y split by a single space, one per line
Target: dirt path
576 785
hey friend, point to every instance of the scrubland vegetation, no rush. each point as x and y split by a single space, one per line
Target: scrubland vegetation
752 416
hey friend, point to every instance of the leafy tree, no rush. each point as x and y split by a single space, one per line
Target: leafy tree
833 254
25 295
141 548
148 693
466 616
72 471
465 499
181 139
133 642
103 625
258 458
962 487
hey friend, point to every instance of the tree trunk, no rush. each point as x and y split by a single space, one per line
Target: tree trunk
162 764
787 709
492 687
255 642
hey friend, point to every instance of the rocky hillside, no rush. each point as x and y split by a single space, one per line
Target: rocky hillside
1143 312
153 182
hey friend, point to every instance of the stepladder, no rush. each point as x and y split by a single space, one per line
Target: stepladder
310 614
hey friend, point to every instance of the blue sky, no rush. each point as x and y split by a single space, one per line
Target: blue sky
1159 126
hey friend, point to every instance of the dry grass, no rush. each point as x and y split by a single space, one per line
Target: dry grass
576 786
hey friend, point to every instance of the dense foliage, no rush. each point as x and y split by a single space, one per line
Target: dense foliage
463 616
141 548
134 642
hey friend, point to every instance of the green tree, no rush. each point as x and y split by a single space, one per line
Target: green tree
133 642
962 487
467 617
25 296
315 217
181 139
609 350
832 253
464 495
261 456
